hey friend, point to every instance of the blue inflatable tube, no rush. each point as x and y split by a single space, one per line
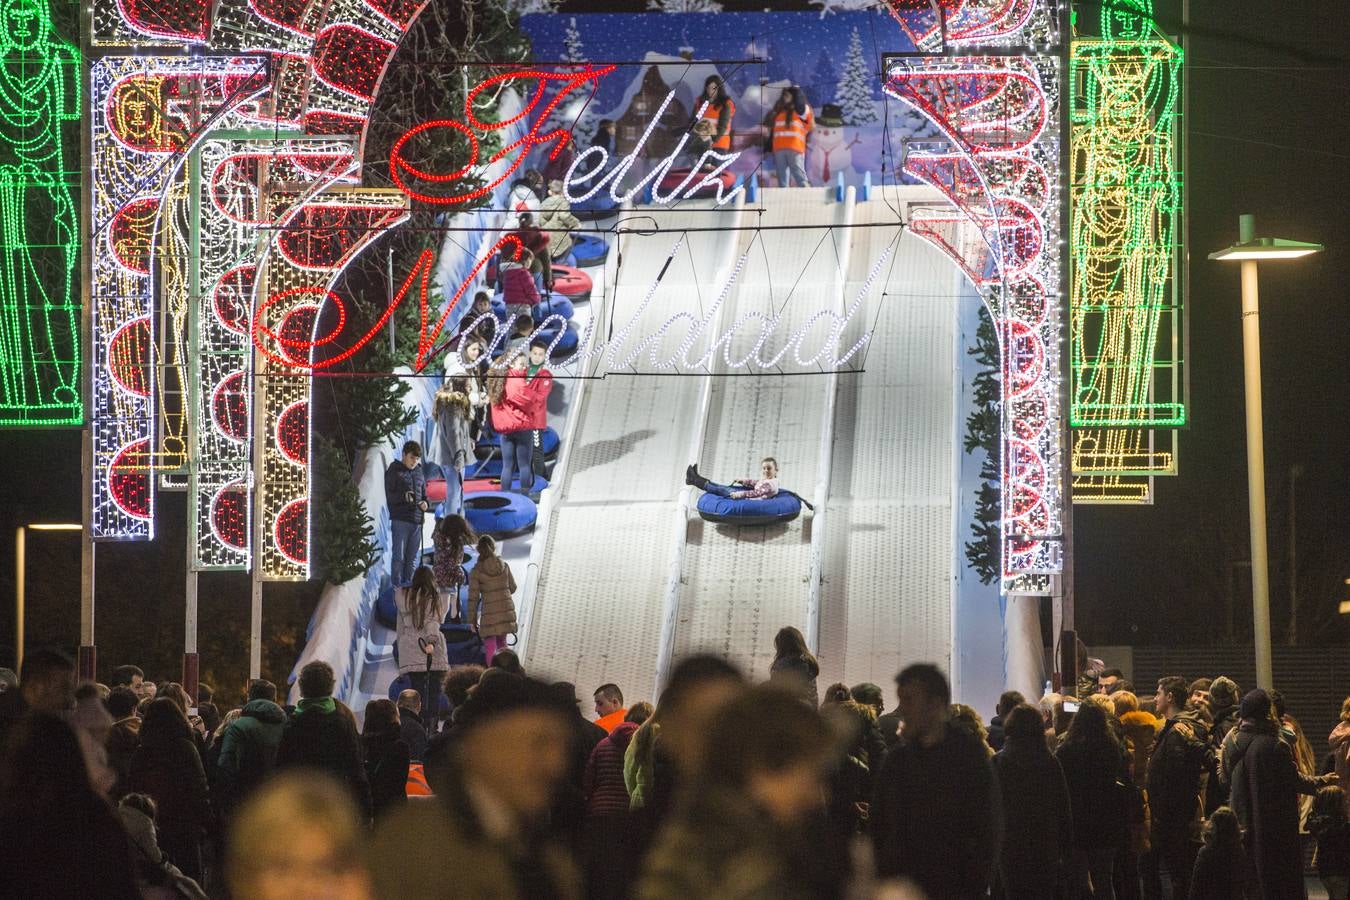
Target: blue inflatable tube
554 305
500 514
782 507
566 346
598 206
589 249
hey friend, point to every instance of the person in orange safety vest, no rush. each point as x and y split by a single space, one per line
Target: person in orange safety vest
713 113
792 120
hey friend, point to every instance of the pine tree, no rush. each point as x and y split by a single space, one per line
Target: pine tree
577 115
855 86
824 77
685 6
572 49
343 535
984 553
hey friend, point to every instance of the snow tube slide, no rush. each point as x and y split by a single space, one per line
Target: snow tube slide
480 485
484 448
572 283
782 507
675 177
555 304
500 514
590 250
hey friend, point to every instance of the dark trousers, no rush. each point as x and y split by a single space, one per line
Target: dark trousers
1166 869
429 687
407 551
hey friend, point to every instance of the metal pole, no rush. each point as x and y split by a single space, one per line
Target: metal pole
190 661
1294 472
1256 462
255 628
87 666
19 548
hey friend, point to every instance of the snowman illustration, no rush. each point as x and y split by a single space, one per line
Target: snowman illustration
827 154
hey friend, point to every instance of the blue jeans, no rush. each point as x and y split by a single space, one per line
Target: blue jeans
407 551
517 459
789 162
720 490
454 491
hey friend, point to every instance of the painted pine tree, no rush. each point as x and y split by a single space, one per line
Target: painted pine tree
685 6
578 116
824 79
834 6
572 50
855 86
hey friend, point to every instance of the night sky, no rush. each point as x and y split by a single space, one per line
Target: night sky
1268 133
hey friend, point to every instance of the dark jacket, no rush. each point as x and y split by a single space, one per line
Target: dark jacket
248 749
603 784
413 732
1216 790
936 816
1096 780
1176 770
319 736
798 673
1218 875
123 740
50 854
169 769
995 731
387 769
399 483
1333 846
1037 817
1265 785
718 843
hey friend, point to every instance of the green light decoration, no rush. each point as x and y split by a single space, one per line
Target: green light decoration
39 299
1125 212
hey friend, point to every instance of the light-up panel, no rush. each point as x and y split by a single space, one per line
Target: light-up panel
39 297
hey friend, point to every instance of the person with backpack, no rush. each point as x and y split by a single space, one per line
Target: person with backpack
491 609
421 646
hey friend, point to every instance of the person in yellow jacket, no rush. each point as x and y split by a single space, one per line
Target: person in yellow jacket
792 121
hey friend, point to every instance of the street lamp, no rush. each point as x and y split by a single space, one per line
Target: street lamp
1250 250
20 550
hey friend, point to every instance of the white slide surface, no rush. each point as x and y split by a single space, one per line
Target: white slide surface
595 612
889 553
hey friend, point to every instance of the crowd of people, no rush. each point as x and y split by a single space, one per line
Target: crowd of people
723 789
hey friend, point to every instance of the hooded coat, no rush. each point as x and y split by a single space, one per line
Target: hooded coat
524 404
399 482
1176 773
248 750
490 605
555 217
603 783
1037 817
168 768
454 416
411 657
1340 754
1265 786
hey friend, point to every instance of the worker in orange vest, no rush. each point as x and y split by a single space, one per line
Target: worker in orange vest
713 112
792 119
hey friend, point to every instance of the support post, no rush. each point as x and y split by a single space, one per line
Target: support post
190 661
20 551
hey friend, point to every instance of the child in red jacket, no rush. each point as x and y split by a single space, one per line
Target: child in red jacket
520 417
518 290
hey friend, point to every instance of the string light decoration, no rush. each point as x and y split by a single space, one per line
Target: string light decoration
998 166
1125 303
39 222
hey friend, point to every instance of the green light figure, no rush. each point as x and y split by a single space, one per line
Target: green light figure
39 227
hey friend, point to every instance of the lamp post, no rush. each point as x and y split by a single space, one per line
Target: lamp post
20 587
1249 251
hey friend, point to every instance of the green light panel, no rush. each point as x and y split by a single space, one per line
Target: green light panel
39 220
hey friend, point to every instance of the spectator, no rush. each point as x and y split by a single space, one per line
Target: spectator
321 853
743 834
486 823
61 838
175 692
519 292
206 708
167 766
1220 867
1292 734
321 736
1329 826
508 662
491 609
148 691
639 713
451 537
555 217
607 853
794 666
46 684
536 241
936 816
453 412
410 726
522 416
459 682
569 809
850 786
1094 771
405 493
1340 747
1176 771
386 757
558 162
603 786
93 726
869 694
128 676
835 694
157 876
1036 810
1199 692
9 679
1108 680
1223 710
609 708
966 718
421 645
1265 784
249 744
1006 702
125 736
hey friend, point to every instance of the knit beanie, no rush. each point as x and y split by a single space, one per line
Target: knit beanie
1256 705
1223 692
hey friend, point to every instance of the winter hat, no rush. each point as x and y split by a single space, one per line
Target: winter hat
555 186
1256 705
831 116
1223 691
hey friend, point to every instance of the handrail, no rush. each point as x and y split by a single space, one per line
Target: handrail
670 605
825 457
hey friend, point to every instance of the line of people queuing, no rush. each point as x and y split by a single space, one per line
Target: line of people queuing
723 789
